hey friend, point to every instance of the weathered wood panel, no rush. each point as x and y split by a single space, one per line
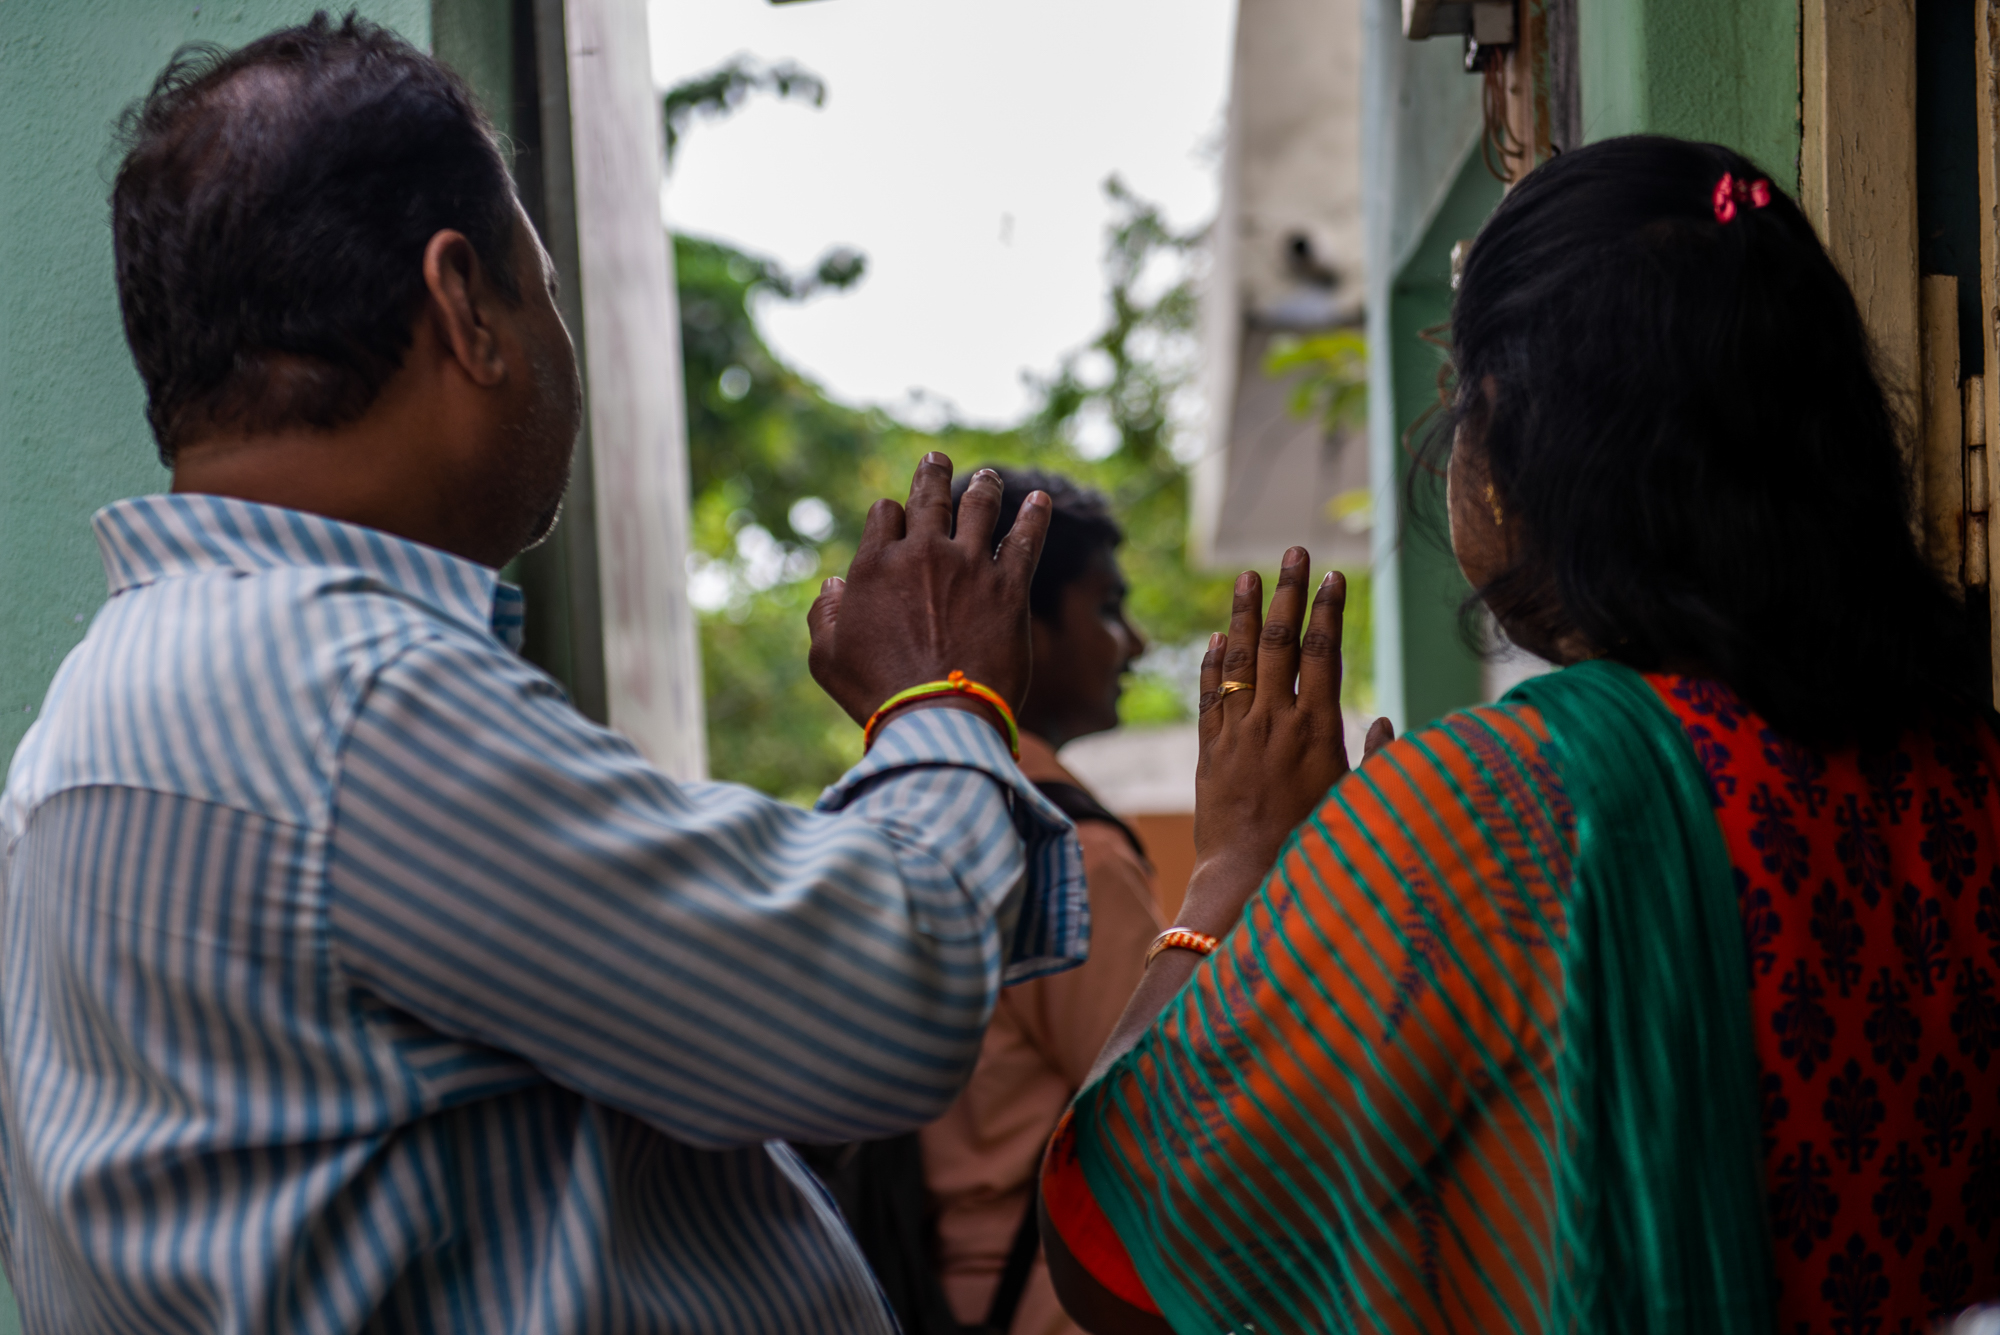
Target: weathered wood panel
1858 172
1943 441
638 425
1987 38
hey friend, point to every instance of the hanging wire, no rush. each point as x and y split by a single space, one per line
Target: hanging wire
1498 148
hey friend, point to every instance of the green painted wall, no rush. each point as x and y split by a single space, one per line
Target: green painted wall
1723 70
1437 670
72 428
1726 71
476 38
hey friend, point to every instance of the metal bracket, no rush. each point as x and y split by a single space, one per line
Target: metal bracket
1487 22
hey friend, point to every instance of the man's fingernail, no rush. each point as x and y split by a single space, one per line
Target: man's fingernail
1326 580
1215 641
936 458
1245 580
985 472
1293 556
1039 499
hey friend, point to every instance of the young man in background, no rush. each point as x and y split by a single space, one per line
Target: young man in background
981 1158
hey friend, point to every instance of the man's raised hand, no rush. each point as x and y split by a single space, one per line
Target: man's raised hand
921 600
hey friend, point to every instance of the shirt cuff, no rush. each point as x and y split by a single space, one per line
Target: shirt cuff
1052 930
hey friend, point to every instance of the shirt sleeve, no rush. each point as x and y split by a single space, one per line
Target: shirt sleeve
1368 1046
727 967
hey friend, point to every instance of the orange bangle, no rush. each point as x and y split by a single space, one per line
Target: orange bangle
1180 938
955 684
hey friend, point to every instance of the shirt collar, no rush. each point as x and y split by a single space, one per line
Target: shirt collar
151 538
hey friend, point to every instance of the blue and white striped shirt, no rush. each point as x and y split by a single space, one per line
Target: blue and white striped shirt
353 981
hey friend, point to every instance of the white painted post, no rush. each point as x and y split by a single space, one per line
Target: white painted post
632 371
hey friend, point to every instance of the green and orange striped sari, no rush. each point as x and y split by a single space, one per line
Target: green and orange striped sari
1477 1058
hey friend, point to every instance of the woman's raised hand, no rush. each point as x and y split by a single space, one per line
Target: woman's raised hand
1271 745
1272 742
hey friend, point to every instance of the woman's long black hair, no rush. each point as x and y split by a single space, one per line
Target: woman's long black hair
1689 444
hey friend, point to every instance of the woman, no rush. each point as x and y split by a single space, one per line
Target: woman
1661 996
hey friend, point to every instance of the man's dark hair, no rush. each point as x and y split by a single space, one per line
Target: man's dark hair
1080 529
270 216
1691 448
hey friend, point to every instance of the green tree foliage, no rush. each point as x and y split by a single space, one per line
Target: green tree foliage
782 475
1330 375
722 90
1130 389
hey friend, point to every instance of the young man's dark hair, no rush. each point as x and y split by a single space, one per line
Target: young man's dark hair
1081 530
1675 407
1084 643
270 219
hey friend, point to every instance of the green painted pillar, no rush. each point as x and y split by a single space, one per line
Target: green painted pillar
1720 70
1425 188
1434 669
73 432
1725 71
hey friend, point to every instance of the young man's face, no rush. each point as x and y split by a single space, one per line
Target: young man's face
1082 654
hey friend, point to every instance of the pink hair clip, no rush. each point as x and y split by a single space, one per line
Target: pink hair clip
1729 192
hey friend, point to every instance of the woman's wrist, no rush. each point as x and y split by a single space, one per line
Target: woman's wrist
1218 888
1220 884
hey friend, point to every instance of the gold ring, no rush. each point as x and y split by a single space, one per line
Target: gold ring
1229 686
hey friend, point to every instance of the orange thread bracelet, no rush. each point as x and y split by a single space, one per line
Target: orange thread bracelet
1180 938
955 684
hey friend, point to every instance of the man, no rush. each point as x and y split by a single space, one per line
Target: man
981 1158
352 981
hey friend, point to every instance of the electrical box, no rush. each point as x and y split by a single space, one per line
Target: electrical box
1487 22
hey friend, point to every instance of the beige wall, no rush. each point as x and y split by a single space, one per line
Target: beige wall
1291 170
1296 104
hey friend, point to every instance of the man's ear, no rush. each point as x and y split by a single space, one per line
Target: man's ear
463 302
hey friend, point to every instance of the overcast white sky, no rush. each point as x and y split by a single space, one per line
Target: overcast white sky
961 147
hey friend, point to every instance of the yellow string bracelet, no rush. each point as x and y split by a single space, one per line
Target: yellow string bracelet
1180 938
955 684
